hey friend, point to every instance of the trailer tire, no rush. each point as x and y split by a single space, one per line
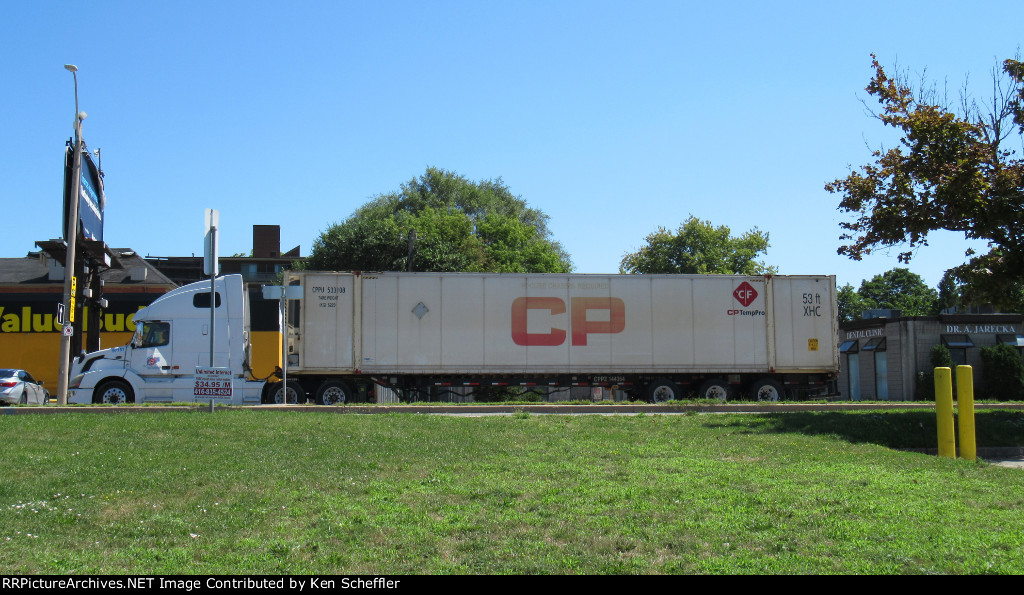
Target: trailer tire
113 392
768 389
660 390
295 393
333 392
717 389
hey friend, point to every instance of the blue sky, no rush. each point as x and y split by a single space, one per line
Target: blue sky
613 118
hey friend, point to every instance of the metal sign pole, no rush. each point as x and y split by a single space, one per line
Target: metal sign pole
69 259
210 266
284 345
213 296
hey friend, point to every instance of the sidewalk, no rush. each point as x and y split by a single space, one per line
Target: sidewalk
1017 462
1004 457
1012 456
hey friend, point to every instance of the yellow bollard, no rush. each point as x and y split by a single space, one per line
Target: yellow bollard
965 406
944 412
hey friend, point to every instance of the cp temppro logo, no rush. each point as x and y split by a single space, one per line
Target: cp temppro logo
745 294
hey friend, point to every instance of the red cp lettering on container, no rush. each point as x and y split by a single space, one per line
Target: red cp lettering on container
581 324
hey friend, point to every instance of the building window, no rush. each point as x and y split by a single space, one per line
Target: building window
877 345
958 345
853 373
852 350
1013 341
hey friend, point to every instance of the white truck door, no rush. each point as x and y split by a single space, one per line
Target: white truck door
152 349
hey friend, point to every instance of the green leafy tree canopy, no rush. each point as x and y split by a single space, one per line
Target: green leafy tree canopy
698 247
953 170
897 289
900 289
458 225
850 303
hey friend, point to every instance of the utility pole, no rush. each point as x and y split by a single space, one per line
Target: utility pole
70 239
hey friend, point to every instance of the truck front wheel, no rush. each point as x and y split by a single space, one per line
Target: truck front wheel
114 391
333 392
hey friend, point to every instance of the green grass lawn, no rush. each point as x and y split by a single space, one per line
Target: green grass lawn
265 492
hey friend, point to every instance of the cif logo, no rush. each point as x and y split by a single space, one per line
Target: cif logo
745 294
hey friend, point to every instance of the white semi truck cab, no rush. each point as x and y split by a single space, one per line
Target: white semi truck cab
172 340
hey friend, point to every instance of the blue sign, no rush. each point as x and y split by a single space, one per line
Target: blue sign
91 200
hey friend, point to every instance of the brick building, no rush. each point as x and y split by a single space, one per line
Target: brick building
882 358
262 267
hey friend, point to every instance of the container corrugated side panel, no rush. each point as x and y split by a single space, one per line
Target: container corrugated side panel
729 335
634 347
463 333
418 314
401 322
327 322
805 323
462 323
500 352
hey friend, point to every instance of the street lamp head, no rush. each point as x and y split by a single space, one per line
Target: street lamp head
71 67
82 115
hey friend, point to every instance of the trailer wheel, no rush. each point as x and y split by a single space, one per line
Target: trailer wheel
660 390
333 392
295 393
768 389
716 389
114 391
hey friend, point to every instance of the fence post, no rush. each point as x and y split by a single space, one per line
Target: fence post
965 407
944 412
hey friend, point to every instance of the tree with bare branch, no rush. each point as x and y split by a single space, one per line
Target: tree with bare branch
953 169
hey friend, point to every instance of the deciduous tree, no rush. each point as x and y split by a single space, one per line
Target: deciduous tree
954 169
459 225
698 247
851 304
899 289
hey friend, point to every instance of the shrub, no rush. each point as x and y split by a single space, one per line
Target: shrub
925 388
1004 372
939 358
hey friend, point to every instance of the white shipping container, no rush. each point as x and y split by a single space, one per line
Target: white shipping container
507 324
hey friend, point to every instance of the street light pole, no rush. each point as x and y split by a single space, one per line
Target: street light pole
70 240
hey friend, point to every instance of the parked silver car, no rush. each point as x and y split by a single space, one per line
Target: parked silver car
18 386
